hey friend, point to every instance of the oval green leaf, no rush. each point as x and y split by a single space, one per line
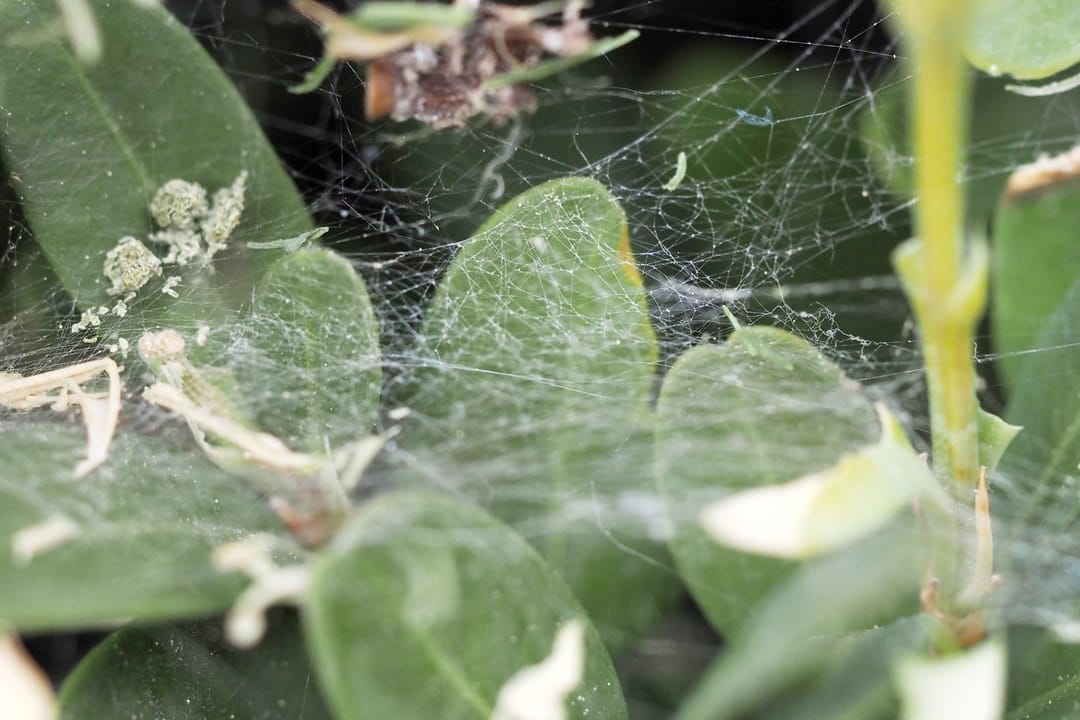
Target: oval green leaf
1036 504
1036 259
808 619
425 606
532 392
1044 675
189 672
1028 40
308 353
764 408
144 525
1005 130
89 144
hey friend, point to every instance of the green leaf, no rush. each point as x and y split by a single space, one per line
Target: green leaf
995 436
188 672
424 607
1036 259
1036 507
1028 40
90 144
532 393
1044 675
731 418
1005 130
308 354
805 620
146 523
855 682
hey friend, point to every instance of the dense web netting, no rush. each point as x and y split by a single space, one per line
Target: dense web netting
795 189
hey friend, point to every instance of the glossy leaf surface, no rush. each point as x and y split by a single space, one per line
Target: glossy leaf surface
532 392
189 672
1036 259
1028 40
764 408
309 352
146 522
808 619
425 606
89 144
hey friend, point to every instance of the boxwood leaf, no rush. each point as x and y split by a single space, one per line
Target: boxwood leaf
855 681
424 606
1006 129
532 394
732 417
89 144
1044 675
1029 40
140 530
1036 503
806 619
1036 256
188 672
309 352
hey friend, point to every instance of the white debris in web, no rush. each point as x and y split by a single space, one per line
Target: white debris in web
120 309
164 346
202 335
539 692
182 245
25 692
33 540
245 623
121 347
169 286
57 388
130 265
89 319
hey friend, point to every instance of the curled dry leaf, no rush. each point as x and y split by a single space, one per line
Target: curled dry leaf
59 388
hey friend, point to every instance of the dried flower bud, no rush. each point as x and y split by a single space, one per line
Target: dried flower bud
130 265
164 346
179 204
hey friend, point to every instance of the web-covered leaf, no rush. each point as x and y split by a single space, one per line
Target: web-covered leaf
1038 476
307 355
766 407
811 616
90 144
131 541
530 392
1030 40
189 672
425 606
1036 257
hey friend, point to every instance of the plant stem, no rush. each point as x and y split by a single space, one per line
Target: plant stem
945 279
947 303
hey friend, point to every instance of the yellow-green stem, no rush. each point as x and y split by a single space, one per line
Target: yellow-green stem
947 325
